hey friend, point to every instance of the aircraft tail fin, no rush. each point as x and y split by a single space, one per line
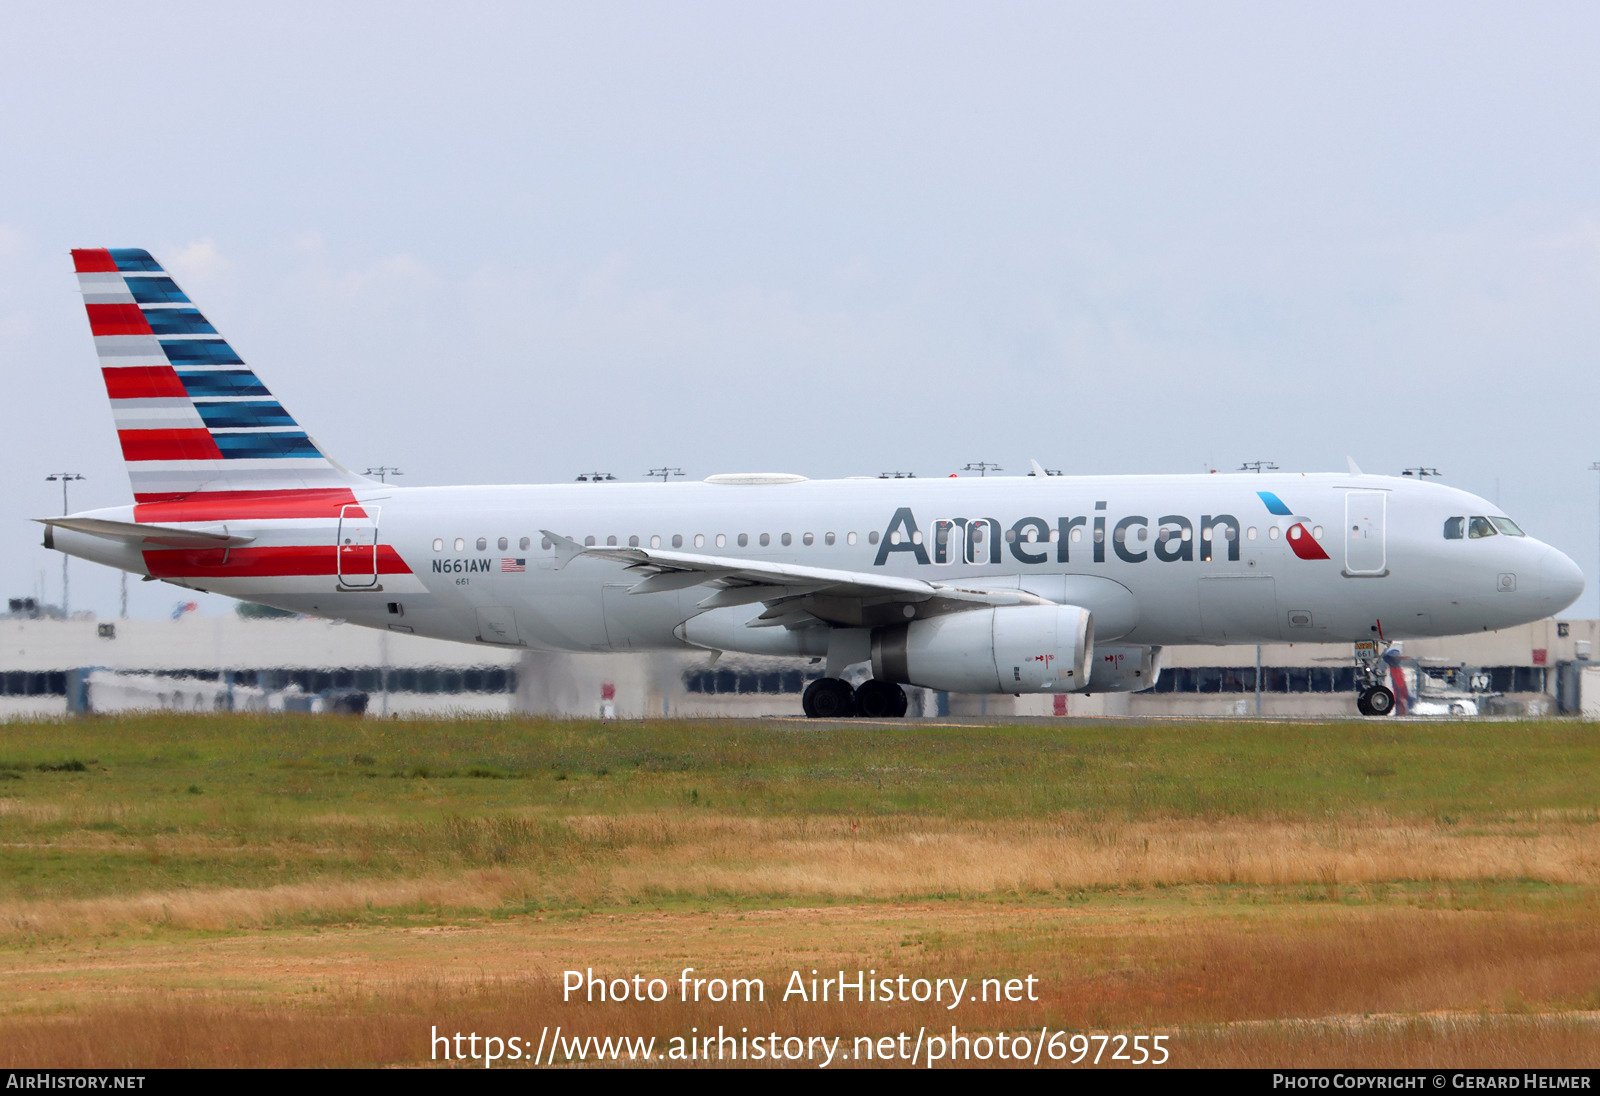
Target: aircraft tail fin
201 435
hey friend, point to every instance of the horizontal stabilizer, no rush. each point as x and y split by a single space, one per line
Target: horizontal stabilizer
160 536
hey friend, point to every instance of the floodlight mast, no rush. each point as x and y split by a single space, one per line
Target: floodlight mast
1258 466
982 467
664 473
65 478
383 471
1595 467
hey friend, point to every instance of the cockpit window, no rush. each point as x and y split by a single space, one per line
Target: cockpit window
1508 527
1454 528
1479 527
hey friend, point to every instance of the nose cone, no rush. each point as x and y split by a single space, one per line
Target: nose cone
1560 580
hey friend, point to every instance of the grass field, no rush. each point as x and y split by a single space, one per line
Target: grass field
218 890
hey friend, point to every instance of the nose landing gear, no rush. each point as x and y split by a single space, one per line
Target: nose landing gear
1376 700
1372 670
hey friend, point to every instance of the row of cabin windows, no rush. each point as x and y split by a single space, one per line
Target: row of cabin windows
975 533
1140 533
1475 528
657 541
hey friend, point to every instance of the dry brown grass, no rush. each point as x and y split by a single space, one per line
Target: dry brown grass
691 854
1238 984
899 858
223 908
1460 1042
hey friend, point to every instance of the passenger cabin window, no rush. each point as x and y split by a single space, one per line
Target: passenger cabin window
1454 528
611 542
523 543
827 538
677 540
699 540
483 542
787 538
461 545
588 542
722 540
655 541
809 539
744 540
438 544
633 542
872 537
849 538
766 539
504 544
1479 527
546 543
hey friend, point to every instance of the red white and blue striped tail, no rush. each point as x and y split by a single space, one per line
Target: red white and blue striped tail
200 432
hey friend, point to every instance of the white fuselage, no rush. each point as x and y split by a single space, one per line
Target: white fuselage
1158 559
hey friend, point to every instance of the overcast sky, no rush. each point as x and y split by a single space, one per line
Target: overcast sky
514 242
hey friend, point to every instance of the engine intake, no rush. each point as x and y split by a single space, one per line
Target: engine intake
1014 649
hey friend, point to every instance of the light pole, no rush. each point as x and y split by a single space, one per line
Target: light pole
65 478
982 467
1258 466
1595 467
383 471
664 473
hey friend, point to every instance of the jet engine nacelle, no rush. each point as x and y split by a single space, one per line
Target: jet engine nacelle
1014 649
1124 669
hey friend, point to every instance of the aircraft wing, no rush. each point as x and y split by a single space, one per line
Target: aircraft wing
795 595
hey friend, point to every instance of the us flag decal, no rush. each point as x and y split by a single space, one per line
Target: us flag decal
513 566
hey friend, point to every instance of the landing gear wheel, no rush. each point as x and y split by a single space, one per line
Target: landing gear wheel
829 698
1380 701
1361 702
878 699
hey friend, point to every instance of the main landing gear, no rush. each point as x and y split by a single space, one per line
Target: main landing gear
832 698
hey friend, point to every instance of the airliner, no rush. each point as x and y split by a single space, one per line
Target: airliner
1023 584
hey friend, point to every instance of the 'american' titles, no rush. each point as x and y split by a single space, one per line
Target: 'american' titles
1171 538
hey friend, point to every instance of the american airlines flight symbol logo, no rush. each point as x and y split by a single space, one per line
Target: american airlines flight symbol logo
1301 542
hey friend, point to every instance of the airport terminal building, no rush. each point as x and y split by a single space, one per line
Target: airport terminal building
52 667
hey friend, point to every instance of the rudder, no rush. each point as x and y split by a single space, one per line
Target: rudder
195 423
